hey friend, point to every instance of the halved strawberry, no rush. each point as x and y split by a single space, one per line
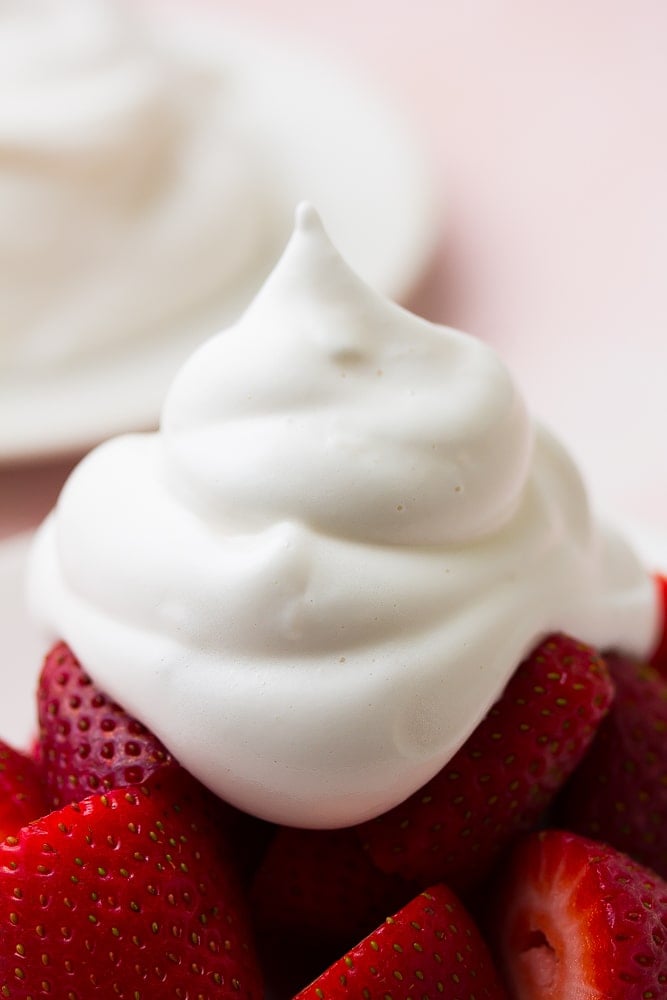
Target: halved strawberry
126 895
22 797
430 948
505 775
575 918
619 791
87 742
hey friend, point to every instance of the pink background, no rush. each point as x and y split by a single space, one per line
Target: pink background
546 126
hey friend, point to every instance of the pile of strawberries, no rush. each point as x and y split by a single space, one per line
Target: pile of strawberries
532 867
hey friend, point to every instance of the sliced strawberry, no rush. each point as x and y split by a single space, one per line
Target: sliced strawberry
126 895
430 948
504 776
321 883
659 658
619 791
575 918
87 742
22 797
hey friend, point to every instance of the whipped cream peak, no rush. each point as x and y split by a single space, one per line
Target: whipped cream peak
419 436
314 581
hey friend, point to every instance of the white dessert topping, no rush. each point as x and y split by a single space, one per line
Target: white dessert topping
318 576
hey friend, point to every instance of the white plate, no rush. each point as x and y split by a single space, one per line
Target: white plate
23 651
336 145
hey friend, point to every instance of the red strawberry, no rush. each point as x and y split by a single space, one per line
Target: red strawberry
124 895
575 918
321 883
22 797
430 948
619 791
504 776
87 742
659 658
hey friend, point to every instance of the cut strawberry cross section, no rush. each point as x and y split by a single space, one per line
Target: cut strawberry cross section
575 918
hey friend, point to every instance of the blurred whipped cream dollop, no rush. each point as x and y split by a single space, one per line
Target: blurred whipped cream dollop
133 199
318 576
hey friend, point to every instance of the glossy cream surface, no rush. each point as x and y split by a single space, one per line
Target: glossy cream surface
317 577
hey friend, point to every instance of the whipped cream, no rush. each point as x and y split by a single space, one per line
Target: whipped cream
317 577
134 200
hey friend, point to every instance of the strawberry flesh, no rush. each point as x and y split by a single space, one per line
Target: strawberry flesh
574 918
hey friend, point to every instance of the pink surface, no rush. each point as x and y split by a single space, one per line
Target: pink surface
546 128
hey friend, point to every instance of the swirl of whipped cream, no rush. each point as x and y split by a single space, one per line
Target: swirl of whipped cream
132 200
319 575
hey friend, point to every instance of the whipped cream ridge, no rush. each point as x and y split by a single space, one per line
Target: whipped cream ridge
133 198
317 577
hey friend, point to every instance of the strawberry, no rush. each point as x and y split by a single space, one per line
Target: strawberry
22 796
659 658
619 791
124 894
576 918
321 883
430 948
87 742
316 894
505 775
